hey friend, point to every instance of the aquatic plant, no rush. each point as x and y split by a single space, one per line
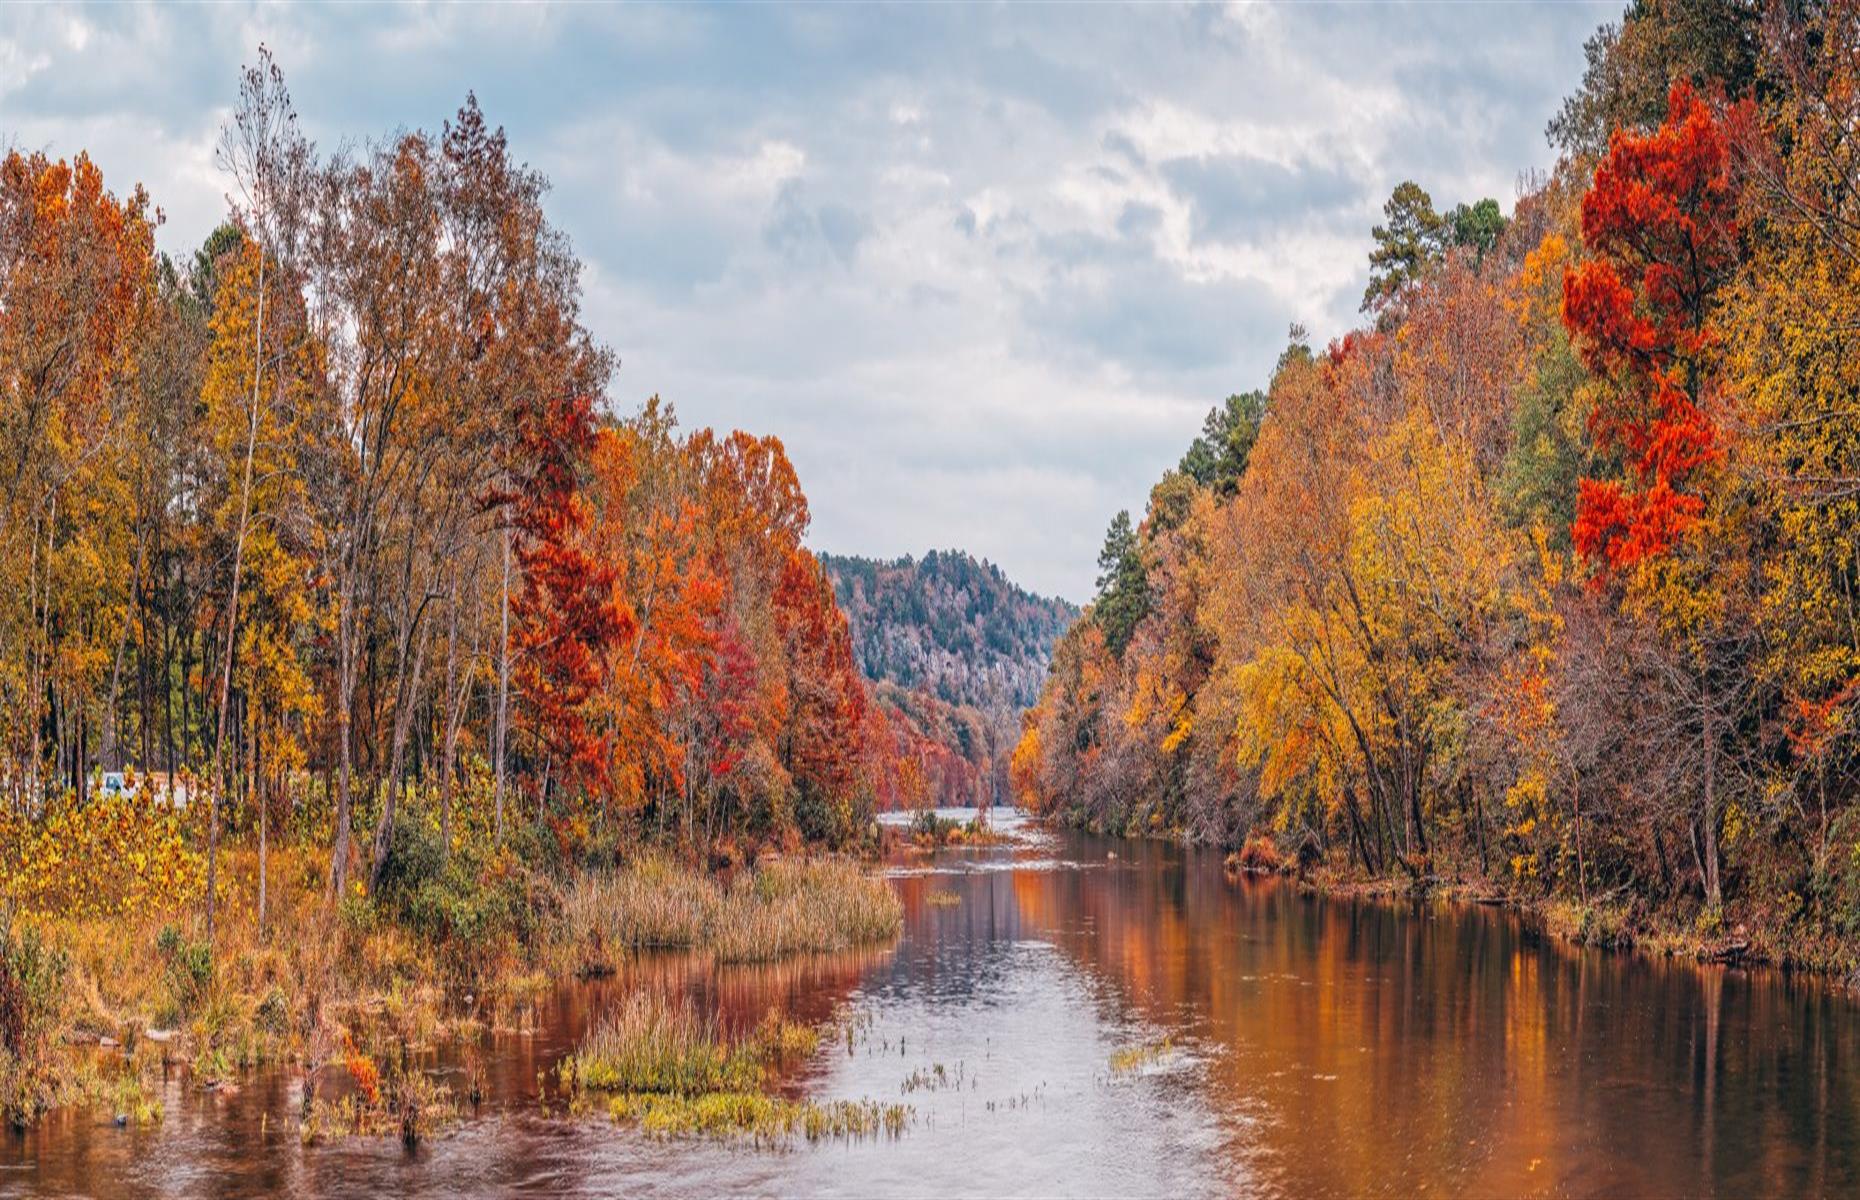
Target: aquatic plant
652 1045
1127 1059
661 1065
760 1116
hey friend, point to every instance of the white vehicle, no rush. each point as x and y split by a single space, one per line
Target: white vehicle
115 784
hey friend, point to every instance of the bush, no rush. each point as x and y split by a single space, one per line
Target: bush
470 907
32 991
1259 856
187 970
108 856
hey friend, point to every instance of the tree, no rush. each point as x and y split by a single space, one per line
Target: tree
1660 225
1406 245
1123 587
76 281
1476 227
266 156
1631 67
1217 458
260 513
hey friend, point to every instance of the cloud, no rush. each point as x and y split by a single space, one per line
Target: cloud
983 270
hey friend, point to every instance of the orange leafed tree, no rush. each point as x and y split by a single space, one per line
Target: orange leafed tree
1661 227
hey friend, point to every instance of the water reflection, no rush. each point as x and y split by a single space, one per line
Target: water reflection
1318 1048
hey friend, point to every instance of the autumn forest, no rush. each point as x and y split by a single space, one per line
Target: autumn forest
1545 576
398 723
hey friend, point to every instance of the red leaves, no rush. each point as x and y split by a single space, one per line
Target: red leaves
827 694
1660 220
566 611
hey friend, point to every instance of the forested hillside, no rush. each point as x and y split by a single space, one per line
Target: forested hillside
956 651
950 624
1545 575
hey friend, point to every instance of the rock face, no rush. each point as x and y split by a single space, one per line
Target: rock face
955 651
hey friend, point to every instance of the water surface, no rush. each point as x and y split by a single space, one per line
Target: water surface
1299 1047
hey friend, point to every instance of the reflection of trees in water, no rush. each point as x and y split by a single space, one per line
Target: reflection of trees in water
1391 1043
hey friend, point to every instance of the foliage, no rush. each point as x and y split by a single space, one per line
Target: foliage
1123 585
109 856
1547 577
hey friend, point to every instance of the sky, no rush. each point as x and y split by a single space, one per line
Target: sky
982 267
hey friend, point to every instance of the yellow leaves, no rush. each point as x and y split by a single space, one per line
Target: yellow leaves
111 855
1183 727
1285 727
1537 291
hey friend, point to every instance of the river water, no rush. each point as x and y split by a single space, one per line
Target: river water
1278 1044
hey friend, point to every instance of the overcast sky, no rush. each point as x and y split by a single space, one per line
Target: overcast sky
982 268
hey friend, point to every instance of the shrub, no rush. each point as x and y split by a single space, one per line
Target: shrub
32 989
470 906
187 972
1260 855
108 856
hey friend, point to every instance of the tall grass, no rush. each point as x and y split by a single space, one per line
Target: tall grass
651 1045
799 907
783 909
658 1064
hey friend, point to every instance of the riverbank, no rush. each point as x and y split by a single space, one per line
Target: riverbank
94 1007
1609 920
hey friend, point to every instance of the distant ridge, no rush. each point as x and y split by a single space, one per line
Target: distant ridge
955 651
951 624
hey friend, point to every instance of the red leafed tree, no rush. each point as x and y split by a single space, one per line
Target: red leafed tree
1660 226
823 741
567 615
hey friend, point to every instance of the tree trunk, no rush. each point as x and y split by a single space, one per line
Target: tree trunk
403 722
345 699
1582 877
232 606
500 737
1714 894
108 751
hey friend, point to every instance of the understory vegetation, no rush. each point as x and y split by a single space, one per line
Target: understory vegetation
1541 583
459 941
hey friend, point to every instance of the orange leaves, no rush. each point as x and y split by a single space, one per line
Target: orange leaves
1813 727
363 1070
827 694
684 649
1660 220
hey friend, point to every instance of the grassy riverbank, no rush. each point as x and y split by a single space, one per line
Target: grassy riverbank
449 946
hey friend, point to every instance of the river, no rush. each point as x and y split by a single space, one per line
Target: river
1275 1044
